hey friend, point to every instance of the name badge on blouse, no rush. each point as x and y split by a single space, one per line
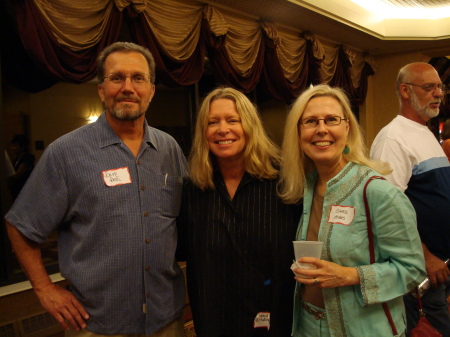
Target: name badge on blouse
342 215
262 320
119 176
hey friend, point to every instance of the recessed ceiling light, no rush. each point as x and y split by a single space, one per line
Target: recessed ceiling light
405 9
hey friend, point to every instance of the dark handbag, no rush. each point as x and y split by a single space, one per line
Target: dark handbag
423 327
372 248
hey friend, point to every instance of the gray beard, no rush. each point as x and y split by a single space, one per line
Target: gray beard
123 115
424 111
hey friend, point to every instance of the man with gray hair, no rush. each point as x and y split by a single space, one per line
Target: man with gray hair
112 190
420 168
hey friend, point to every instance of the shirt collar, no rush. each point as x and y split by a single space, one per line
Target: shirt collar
220 183
107 136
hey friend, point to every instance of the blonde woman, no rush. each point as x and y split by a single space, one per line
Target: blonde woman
235 233
325 164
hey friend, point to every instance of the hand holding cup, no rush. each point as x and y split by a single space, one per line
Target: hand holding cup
306 249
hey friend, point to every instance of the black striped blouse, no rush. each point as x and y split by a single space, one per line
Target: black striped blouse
238 255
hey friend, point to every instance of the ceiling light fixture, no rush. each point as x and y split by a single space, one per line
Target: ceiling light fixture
405 10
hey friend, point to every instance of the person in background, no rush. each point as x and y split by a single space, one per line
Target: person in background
421 170
235 233
445 135
112 189
8 166
23 163
324 163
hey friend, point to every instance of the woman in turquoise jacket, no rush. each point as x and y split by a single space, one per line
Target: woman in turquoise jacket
325 165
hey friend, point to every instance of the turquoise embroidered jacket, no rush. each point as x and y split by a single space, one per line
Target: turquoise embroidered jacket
399 267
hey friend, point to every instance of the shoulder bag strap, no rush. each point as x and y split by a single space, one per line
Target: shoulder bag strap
372 248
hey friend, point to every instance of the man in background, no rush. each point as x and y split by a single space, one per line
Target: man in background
23 163
420 168
8 166
112 189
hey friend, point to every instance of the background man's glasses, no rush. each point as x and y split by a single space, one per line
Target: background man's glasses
119 79
329 121
431 87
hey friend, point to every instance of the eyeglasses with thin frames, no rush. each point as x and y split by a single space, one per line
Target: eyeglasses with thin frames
119 79
431 87
329 121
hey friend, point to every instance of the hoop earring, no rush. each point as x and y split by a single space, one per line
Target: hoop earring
346 150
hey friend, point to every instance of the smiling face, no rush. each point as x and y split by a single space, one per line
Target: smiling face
126 101
224 132
324 144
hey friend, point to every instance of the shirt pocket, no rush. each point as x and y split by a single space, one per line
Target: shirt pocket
171 190
353 252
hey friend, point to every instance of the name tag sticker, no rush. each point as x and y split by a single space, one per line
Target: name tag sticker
342 215
262 320
116 177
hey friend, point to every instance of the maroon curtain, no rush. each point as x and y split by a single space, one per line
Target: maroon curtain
17 66
38 60
169 71
49 56
221 65
273 82
342 78
361 91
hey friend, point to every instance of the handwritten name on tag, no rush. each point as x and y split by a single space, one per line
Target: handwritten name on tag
262 320
342 215
116 177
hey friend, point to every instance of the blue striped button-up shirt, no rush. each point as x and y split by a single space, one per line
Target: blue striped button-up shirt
116 219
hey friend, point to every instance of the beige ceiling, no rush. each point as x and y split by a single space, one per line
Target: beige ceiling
345 22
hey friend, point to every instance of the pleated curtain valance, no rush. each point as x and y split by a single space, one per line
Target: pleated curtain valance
60 40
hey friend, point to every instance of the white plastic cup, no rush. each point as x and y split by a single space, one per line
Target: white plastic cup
306 249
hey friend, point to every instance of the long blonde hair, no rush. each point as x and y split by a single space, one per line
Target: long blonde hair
261 155
295 165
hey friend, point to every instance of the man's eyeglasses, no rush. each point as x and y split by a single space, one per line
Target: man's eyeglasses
431 87
137 79
329 121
